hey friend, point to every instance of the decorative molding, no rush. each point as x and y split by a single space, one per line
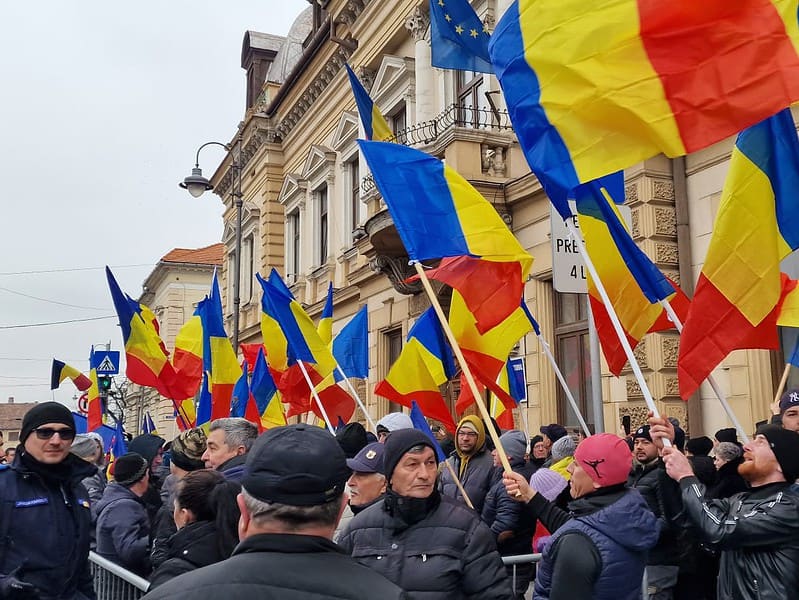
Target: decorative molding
259 136
346 131
417 304
418 22
663 189
635 219
631 193
641 354
350 12
672 386
293 186
638 415
633 389
397 269
665 221
367 77
493 160
671 348
320 158
667 253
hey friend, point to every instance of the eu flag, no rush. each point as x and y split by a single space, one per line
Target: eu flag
458 38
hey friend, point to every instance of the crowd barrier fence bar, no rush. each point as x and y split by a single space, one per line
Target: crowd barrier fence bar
112 582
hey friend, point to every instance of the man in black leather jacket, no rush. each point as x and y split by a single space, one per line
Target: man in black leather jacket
757 531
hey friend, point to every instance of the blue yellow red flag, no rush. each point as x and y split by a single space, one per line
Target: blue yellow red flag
94 417
458 39
241 394
375 126
420 423
266 395
60 371
325 326
351 347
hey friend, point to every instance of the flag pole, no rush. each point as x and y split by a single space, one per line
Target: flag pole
458 483
316 397
614 319
564 385
783 381
357 397
710 379
464 366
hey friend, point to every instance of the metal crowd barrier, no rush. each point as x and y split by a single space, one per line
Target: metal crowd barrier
519 559
112 582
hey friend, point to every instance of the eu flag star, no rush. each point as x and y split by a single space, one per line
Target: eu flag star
441 2
448 18
485 28
473 33
458 29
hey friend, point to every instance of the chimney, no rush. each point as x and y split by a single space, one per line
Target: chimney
11 399
258 51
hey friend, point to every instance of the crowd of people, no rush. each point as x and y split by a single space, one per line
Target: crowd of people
298 513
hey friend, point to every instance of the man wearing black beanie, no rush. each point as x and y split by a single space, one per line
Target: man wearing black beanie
430 545
757 531
44 512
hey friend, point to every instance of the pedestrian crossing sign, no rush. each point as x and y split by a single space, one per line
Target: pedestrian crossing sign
106 362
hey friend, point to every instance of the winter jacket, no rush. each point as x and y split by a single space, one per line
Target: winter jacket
501 513
95 484
561 467
163 527
233 468
662 494
44 529
704 469
123 529
598 549
192 547
275 566
729 481
758 535
447 555
476 479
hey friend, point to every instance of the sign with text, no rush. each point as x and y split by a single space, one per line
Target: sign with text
569 274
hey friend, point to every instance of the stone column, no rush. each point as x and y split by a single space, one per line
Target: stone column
418 23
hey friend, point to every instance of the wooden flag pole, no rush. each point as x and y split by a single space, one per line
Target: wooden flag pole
564 385
330 427
457 481
357 398
783 381
614 319
464 366
710 379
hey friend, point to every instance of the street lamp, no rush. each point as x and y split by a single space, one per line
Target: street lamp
196 185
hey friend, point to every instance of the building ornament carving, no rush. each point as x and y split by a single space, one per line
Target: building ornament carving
667 253
663 190
665 221
671 348
631 192
493 160
417 23
397 269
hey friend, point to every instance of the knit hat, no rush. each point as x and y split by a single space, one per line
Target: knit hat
394 421
296 465
700 446
351 438
642 432
535 439
130 469
515 444
728 451
86 444
398 443
187 449
554 431
369 459
727 434
606 458
548 483
789 399
146 445
785 445
562 448
46 412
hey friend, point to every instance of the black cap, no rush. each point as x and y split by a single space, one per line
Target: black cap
297 465
351 438
46 412
728 434
129 469
642 432
785 445
369 459
398 443
554 431
147 444
700 446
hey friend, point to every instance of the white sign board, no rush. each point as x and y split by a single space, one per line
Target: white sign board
568 269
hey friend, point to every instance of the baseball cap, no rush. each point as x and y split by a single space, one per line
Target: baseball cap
606 458
789 399
369 459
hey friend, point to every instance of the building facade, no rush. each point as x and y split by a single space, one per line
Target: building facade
11 415
172 290
311 210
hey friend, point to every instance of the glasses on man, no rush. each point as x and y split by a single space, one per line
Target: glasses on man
45 433
467 434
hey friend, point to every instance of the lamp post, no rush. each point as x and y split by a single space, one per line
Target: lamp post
196 185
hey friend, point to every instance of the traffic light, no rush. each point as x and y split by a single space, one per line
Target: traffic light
104 383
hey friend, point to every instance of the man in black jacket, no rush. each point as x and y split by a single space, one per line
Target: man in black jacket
472 462
757 531
431 546
44 512
291 499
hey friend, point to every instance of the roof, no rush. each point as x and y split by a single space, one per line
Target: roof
210 255
11 415
291 50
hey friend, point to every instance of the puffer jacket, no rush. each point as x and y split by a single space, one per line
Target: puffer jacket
476 479
192 547
448 555
758 535
95 485
501 513
123 529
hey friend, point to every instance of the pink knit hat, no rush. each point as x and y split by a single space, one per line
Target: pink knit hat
606 458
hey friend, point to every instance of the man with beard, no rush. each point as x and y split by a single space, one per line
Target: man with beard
757 531
471 462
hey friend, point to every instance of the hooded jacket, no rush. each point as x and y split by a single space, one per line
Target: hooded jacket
600 552
758 535
475 470
123 529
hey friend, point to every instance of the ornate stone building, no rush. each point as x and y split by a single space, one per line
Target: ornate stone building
311 210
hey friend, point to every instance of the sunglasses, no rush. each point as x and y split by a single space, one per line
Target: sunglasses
45 433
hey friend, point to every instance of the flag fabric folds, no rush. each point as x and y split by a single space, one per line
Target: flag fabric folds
420 423
94 416
240 395
325 326
351 347
147 425
592 89
424 364
501 413
275 340
738 297
793 359
458 39
633 283
60 371
265 393
374 124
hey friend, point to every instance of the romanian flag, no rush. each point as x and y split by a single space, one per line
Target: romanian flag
738 296
487 352
204 404
219 358
60 371
512 380
241 394
420 423
458 39
596 87
466 397
338 404
635 285
275 340
351 347
266 395
374 125
424 364
439 214
501 413
325 326
94 416
187 359
147 424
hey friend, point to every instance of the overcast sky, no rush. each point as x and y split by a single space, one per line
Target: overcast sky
103 106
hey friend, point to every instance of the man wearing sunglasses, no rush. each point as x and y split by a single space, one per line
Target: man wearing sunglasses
44 512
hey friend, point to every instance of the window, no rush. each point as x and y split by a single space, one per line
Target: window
293 258
469 91
321 214
393 348
245 283
573 356
13 436
355 196
398 121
